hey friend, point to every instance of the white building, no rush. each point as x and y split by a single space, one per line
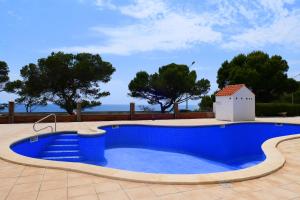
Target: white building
235 103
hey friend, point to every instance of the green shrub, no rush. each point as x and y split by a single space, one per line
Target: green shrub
274 109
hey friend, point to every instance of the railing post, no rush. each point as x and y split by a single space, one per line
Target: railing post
78 111
11 112
132 110
175 110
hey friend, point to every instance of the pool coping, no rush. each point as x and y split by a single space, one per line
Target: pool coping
273 162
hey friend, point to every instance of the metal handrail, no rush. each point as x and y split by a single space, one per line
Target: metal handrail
37 130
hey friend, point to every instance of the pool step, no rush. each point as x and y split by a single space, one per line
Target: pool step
55 153
65 141
68 134
63 158
65 147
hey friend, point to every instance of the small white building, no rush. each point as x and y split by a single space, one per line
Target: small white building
235 103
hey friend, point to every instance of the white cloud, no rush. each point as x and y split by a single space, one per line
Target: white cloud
284 32
157 28
144 8
105 4
230 24
14 15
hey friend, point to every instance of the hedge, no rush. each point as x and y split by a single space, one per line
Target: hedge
276 109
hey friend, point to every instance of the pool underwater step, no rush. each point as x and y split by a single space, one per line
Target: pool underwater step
68 135
63 158
63 148
66 141
60 153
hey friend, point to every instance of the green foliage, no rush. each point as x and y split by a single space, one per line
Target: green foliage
265 75
3 74
29 89
206 103
289 98
274 109
172 84
68 79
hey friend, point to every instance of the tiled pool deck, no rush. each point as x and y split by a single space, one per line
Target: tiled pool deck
23 182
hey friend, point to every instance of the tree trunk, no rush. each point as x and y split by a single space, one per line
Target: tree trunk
70 111
162 109
27 108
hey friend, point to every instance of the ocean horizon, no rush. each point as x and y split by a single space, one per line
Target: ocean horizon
102 108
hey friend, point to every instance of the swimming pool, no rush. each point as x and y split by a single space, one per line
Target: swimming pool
161 149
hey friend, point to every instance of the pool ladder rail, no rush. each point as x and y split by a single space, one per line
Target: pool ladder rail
53 129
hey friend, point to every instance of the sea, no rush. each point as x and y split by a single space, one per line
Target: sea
102 108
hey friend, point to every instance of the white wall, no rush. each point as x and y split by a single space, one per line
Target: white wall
238 107
243 105
224 108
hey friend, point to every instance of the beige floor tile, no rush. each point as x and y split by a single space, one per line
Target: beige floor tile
29 179
107 187
202 194
140 193
293 178
173 197
294 187
3 194
10 173
58 194
30 171
247 186
7 183
27 187
185 188
97 179
163 189
55 171
79 181
129 185
240 196
85 197
78 175
55 175
277 179
56 184
81 190
114 195
274 194
23 196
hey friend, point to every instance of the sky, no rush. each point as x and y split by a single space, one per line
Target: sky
137 35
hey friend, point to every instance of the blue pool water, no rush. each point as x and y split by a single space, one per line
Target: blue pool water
161 149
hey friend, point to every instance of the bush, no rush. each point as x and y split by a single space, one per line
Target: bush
274 109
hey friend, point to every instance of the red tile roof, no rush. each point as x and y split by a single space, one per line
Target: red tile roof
230 90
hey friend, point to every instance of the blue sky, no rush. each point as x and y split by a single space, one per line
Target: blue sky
139 35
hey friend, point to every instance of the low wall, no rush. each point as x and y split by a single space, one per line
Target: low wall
33 118
105 117
150 116
3 119
30 118
195 115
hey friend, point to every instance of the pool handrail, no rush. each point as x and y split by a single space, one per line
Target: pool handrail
50 126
